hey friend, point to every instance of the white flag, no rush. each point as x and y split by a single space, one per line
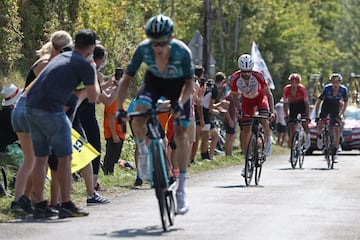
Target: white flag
260 65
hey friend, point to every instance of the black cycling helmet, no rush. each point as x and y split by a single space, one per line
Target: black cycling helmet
333 75
159 26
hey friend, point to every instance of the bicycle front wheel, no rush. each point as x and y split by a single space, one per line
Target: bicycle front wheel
327 149
157 157
250 159
170 207
294 154
260 158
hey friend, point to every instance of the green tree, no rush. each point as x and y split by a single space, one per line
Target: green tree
10 36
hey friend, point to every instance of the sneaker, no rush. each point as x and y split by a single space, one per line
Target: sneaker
267 149
138 182
205 155
42 210
70 210
319 142
182 206
307 141
55 207
22 206
96 199
143 168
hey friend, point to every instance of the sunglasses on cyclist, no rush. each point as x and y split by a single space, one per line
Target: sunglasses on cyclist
160 44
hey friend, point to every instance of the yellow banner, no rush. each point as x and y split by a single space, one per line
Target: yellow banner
83 152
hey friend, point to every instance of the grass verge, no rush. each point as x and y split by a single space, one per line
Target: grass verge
122 180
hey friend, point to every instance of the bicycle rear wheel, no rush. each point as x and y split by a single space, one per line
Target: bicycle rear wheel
332 153
294 154
302 154
250 160
156 154
260 158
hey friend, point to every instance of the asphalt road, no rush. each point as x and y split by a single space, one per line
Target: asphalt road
312 203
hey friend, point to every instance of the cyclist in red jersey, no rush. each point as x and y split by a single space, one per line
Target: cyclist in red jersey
256 94
296 101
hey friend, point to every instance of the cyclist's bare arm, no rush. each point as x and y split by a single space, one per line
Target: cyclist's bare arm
307 108
124 84
236 100
186 91
270 99
342 111
317 107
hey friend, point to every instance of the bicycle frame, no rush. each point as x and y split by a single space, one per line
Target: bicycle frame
328 143
255 156
159 167
298 143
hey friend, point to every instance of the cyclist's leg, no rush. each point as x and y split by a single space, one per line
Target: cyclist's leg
248 108
264 109
335 123
182 146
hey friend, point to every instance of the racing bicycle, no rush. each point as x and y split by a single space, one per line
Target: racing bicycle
163 184
255 156
297 151
328 143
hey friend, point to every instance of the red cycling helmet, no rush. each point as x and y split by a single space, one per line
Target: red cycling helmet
295 77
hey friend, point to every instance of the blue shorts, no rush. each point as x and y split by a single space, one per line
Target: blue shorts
18 117
49 130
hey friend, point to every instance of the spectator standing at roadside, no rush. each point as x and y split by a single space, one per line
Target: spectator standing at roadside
10 95
59 41
114 136
281 126
199 118
49 125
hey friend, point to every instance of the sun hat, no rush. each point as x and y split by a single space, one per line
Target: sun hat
10 94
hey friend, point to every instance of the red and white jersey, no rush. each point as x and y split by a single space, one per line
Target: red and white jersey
256 85
301 94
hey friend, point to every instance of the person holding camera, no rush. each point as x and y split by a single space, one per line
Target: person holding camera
169 74
114 132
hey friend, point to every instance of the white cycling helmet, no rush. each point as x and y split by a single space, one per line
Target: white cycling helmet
245 62
334 75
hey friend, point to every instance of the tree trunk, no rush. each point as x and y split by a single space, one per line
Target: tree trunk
222 31
207 35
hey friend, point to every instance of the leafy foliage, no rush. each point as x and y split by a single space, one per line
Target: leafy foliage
307 37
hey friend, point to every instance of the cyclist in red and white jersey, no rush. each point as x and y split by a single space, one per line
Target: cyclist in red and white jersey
256 94
296 101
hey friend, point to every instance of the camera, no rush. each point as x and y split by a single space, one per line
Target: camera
118 73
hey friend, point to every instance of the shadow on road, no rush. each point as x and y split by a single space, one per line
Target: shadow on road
239 186
323 169
150 231
289 168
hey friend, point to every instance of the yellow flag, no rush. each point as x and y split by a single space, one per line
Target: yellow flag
82 152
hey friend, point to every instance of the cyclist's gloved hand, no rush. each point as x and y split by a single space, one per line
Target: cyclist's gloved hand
121 116
178 108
